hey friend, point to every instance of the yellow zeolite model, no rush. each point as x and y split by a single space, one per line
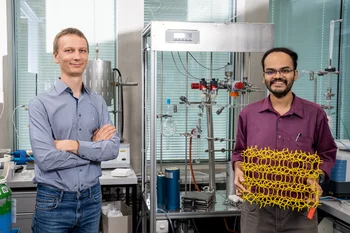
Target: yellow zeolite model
274 177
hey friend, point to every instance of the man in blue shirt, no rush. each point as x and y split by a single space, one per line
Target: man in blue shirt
70 134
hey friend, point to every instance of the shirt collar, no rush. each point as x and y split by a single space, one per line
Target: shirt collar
297 107
60 87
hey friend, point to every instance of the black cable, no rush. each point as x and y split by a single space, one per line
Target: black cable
122 106
178 68
203 65
178 54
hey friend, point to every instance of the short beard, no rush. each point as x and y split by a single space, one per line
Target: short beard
280 94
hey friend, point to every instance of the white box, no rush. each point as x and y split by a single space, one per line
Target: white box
120 224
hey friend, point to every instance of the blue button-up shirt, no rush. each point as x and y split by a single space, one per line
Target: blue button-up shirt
303 128
57 115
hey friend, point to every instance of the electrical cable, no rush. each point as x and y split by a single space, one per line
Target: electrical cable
13 120
168 217
228 229
245 9
172 55
178 54
122 105
203 65
195 226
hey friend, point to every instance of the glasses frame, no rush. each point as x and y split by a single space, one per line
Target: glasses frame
278 71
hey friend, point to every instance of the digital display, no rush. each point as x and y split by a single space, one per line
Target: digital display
179 35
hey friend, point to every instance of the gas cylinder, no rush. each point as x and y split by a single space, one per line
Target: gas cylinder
5 197
5 208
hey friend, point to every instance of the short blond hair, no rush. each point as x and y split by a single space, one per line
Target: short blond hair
68 31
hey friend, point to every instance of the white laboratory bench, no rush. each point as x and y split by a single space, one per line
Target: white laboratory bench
337 211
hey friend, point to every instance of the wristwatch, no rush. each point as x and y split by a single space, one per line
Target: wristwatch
321 178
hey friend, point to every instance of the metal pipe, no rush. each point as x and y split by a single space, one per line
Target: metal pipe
315 89
153 144
211 152
161 110
331 41
186 125
211 148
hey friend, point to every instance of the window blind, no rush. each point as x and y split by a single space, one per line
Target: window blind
304 26
36 24
171 73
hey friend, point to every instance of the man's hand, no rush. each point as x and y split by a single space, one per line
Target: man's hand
314 187
105 133
67 145
239 179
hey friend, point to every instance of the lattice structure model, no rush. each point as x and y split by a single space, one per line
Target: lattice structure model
279 178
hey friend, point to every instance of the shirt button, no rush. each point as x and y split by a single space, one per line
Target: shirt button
79 115
279 136
80 129
81 170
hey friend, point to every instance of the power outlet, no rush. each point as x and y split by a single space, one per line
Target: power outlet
162 226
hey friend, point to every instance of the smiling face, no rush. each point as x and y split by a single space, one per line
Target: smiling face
71 55
279 83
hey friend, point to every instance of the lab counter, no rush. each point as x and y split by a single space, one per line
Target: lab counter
337 209
24 191
24 179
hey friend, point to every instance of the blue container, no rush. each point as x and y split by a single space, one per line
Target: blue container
161 190
172 182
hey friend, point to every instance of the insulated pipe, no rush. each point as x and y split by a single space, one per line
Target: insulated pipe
331 41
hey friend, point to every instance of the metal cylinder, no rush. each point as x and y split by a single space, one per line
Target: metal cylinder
172 182
161 191
230 188
98 78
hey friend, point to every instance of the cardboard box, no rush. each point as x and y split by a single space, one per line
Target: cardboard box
120 224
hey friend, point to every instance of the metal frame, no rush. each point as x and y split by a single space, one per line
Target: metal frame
213 37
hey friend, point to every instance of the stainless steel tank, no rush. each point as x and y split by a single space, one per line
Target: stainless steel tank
98 77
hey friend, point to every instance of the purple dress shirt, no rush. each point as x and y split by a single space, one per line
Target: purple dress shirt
304 127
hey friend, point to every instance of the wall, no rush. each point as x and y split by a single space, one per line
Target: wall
129 26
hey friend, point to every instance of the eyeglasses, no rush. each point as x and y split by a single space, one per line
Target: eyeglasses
274 72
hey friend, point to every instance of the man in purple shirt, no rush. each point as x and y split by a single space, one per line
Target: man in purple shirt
282 121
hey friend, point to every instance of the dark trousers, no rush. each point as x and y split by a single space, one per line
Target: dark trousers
270 219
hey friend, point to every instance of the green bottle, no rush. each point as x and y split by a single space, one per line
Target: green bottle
5 208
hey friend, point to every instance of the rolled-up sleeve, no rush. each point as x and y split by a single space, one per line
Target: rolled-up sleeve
47 157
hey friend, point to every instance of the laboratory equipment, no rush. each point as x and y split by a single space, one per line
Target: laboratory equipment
187 37
100 78
123 159
161 190
328 72
5 197
172 188
339 183
22 157
169 125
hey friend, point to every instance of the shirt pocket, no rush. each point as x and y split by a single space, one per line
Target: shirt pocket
300 142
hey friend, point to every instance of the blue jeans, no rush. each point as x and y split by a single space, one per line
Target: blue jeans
59 211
